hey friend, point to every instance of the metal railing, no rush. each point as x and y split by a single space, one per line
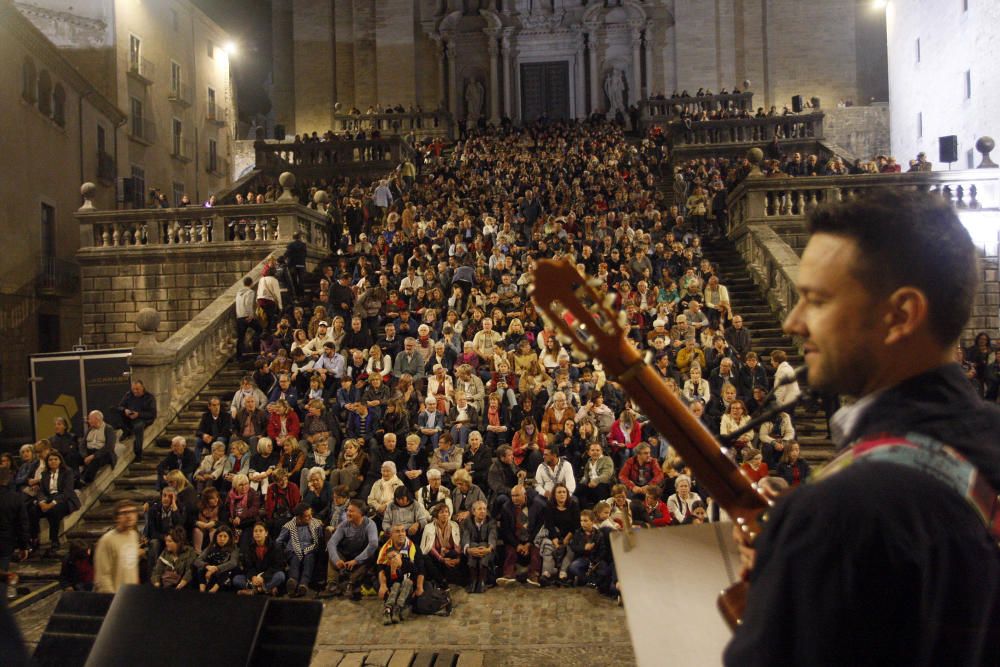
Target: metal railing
57 275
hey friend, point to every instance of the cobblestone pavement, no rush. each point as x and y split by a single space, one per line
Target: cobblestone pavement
513 627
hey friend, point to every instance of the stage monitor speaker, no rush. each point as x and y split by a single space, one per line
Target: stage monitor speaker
797 104
948 149
155 628
279 132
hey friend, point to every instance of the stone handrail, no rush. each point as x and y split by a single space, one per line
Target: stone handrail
771 200
228 224
773 266
174 371
420 123
746 130
339 152
664 110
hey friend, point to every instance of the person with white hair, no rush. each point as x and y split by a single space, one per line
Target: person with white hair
384 488
97 448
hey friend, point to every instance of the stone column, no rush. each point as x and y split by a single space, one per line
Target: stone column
648 53
635 87
507 74
491 46
595 75
580 96
442 76
452 80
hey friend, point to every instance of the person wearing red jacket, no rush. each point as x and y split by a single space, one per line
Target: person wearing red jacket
641 472
651 511
282 422
281 500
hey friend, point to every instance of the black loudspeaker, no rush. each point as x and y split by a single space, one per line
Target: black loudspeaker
279 132
797 104
146 626
948 149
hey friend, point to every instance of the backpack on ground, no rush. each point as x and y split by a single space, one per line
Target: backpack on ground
435 601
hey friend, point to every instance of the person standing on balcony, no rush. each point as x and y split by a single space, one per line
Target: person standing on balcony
138 409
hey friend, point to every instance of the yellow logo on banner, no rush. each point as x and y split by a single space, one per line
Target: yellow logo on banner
64 406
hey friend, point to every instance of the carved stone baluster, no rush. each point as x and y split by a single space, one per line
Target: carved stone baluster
143 235
973 202
800 203
105 237
946 193
960 194
116 235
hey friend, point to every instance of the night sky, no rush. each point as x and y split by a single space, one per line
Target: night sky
249 23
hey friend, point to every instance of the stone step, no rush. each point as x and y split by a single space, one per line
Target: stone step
135 494
84 531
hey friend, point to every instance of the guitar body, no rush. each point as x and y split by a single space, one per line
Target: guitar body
582 317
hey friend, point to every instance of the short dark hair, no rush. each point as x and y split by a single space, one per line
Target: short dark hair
910 238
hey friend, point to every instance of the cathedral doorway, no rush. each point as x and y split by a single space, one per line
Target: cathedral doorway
545 90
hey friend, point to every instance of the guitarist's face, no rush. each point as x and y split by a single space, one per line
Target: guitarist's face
843 325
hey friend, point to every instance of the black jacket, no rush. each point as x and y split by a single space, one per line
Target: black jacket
508 528
65 493
221 427
886 539
145 405
273 560
110 440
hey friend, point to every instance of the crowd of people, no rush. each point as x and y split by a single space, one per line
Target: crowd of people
410 423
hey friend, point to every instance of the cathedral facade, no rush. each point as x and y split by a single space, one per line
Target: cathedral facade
564 58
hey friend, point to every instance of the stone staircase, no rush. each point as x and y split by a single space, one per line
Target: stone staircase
765 329
138 483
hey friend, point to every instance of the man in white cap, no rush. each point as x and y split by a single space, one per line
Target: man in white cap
314 348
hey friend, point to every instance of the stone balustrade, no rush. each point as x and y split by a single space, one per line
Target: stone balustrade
774 200
663 111
177 261
228 224
773 266
419 123
808 127
332 157
767 223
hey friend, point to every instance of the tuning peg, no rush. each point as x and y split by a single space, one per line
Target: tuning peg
609 300
648 358
595 282
623 319
531 289
578 355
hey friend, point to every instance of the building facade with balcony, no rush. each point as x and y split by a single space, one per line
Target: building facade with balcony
165 64
50 110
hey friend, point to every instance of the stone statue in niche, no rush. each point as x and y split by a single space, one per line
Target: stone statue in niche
614 88
474 93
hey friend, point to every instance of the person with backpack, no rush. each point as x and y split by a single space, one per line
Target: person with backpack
400 574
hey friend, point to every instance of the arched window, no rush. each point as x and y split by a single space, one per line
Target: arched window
29 78
59 105
45 92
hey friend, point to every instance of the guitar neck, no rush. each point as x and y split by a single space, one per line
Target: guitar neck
689 437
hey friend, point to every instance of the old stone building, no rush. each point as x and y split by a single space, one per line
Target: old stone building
566 58
59 132
165 64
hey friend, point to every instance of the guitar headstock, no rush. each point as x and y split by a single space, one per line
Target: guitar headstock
581 316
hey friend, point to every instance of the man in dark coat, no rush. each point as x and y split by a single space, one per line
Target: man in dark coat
138 409
887 558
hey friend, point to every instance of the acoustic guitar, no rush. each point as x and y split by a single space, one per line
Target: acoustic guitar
583 318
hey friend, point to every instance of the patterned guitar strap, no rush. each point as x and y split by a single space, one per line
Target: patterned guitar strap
926 455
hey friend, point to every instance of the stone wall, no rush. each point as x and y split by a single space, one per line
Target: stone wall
178 283
862 131
928 93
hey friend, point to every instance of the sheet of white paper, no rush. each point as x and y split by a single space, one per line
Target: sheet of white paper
670 579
